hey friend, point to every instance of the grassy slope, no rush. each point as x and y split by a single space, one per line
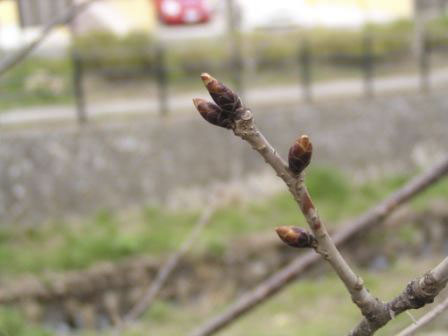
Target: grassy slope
111 236
299 310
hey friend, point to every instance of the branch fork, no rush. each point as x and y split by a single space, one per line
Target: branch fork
418 293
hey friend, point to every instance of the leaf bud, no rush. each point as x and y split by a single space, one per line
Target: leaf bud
300 153
296 237
212 113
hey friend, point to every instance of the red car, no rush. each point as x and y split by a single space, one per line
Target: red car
181 12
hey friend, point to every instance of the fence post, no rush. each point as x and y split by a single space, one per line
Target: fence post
424 64
235 43
305 70
78 88
368 64
162 80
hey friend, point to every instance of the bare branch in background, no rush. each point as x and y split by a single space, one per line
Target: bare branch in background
168 267
229 112
9 61
425 319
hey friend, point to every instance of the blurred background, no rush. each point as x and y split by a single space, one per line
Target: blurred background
106 167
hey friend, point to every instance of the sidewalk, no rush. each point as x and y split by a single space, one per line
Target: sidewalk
254 97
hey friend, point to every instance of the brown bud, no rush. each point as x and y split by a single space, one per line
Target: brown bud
300 154
296 237
212 113
222 95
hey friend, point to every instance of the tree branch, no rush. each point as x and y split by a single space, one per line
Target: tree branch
241 121
9 61
417 294
425 319
231 114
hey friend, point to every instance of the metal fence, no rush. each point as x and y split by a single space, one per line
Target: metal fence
245 67
306 63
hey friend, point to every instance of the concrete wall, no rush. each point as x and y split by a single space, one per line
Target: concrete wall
49 173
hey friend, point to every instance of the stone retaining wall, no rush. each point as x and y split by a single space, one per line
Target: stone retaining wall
53 172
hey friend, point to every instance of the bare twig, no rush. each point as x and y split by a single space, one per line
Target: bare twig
9 61
425 319
231 114
417 294
240 120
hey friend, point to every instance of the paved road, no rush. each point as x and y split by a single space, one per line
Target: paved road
254 97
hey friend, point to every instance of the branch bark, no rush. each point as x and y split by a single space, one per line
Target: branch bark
231 114
9 61
417 294
243 126
425 319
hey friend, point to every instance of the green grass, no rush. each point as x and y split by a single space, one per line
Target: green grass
13 324
76 244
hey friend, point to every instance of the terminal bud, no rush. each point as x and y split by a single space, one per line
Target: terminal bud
225 98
